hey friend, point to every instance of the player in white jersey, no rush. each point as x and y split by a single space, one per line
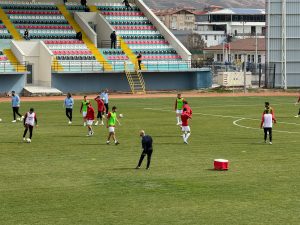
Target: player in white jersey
29 122
267 123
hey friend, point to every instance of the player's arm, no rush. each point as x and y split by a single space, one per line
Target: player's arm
108 116
104 107
24 120
175 104
72 101
273 118
297 101
81 107
118 121
262 121
35 120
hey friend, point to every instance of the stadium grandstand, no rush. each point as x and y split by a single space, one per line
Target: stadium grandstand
67 47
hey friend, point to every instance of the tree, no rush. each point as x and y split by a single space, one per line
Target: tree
195 43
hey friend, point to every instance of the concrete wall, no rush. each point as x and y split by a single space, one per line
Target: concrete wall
12 82
36 53
103 28
177 45
83 19
90 83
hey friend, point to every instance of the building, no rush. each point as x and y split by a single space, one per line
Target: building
283 42
234 52
238 23
177 19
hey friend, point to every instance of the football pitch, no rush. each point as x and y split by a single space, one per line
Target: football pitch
64 177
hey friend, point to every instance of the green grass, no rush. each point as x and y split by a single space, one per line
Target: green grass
63 177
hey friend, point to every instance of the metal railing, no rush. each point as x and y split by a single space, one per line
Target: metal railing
107 44
8 67
117 66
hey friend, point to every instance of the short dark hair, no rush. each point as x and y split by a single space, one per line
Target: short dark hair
267 103
13 92
31 109
114 107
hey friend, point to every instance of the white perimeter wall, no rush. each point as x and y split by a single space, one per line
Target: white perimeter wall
35 53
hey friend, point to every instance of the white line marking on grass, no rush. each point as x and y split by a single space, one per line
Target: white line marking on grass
234 122
253 128
224 106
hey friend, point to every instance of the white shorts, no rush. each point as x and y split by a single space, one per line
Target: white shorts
179 111
89 122
111 129
186 129
84 114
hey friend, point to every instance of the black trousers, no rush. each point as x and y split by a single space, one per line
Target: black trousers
106 106
128 6
99 115
30 128
139 63
16 111
144 153
299 112
266 131
113 44
69 113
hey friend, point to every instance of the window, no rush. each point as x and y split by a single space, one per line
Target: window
206 37
215 37
259 58
253 58
248 58
219 57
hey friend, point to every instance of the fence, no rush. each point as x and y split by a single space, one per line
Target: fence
8 67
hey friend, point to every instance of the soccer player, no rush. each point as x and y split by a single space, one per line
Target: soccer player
178 108
104 95
299 108
69 103
83 108
101 110
147 149
188 108
267 123
185 126
15 103
29 121
111 124
90 116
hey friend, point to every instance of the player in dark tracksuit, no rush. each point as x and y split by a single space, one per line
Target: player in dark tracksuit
147 149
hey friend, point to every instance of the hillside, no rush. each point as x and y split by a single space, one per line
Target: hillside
159 4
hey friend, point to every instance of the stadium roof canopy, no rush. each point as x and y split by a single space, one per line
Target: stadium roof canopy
239 11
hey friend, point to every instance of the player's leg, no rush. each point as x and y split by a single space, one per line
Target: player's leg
25 132
149 154
270 135
30 131
14 114
98 118
17 112
115 138
265 134
109 135
71 114
187 135
141 160
101 118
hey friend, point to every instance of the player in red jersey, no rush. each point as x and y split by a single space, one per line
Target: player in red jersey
188 108
101 110
299 108
90 116
185 126
29 121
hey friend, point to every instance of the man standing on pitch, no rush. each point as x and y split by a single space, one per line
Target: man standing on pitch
101 110
83 109
299 108
90 116
185 116
15 103
29 121
104 96
111 124
69 103
267 123
178 108
147 149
